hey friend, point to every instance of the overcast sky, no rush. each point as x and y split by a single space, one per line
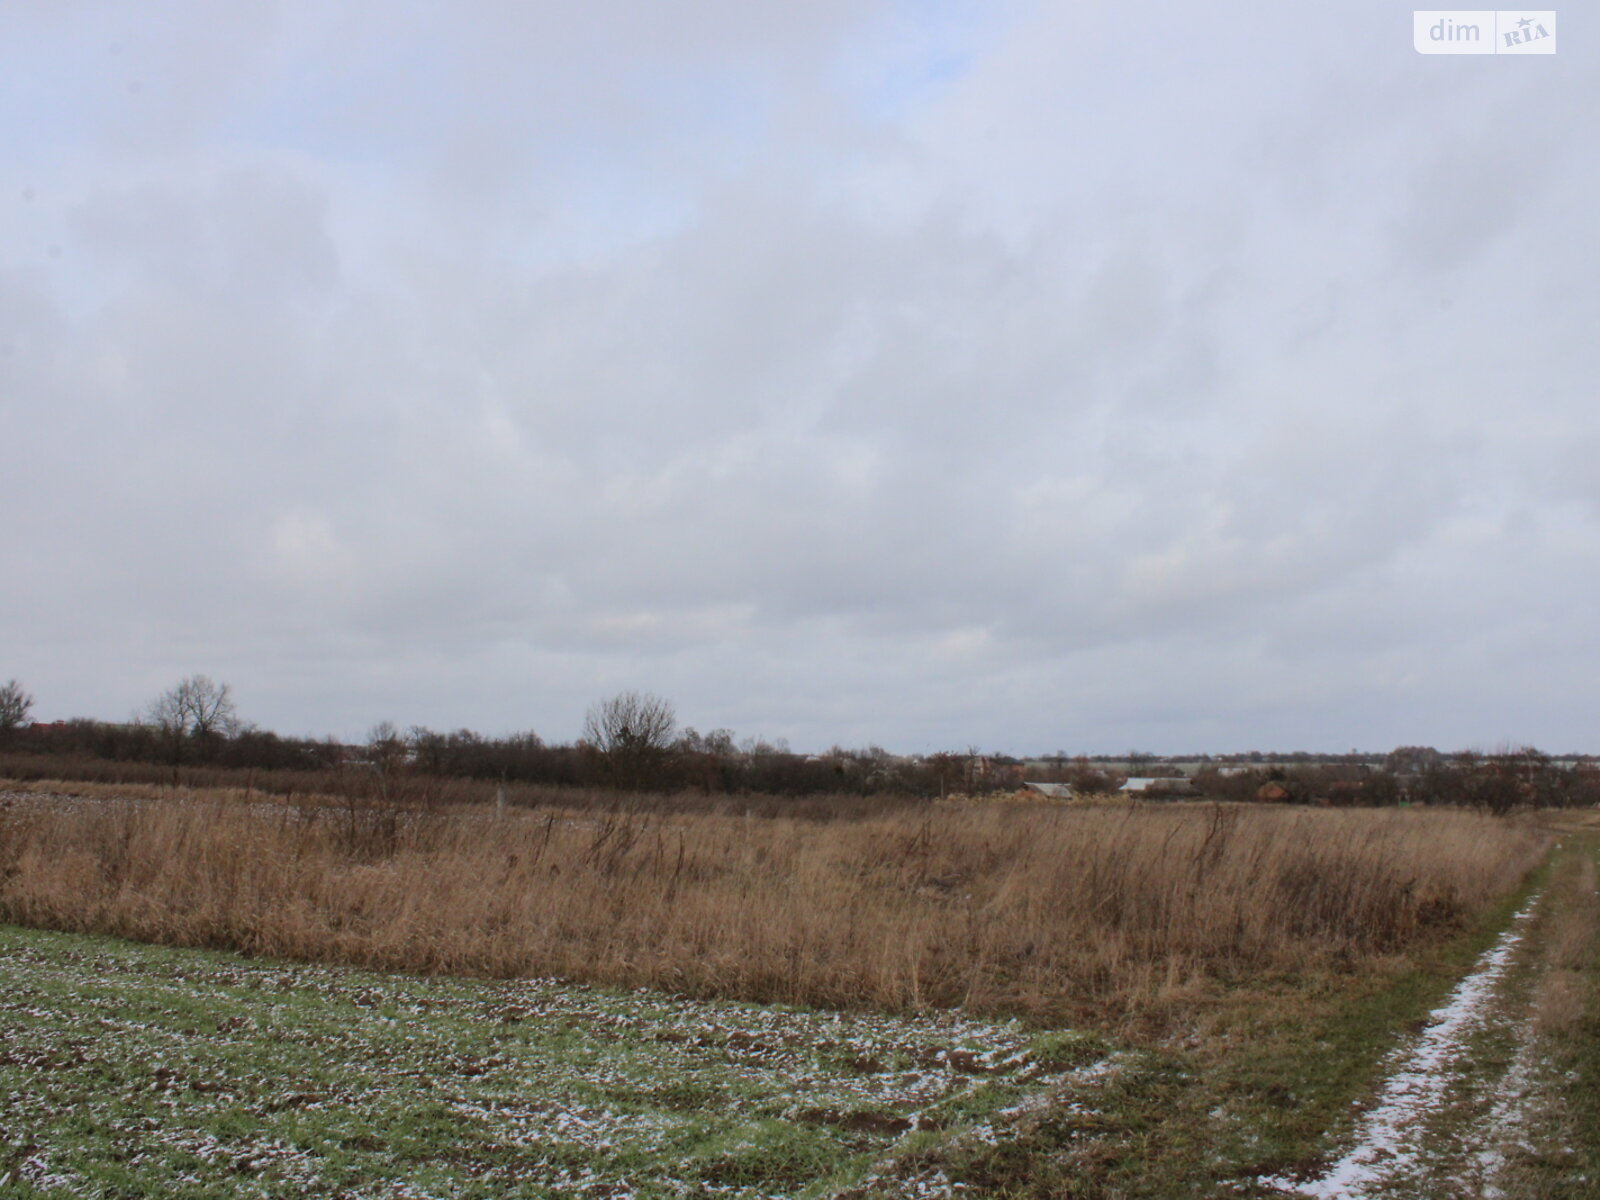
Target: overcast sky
1030 376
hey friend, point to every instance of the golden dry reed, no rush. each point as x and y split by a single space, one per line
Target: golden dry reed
1045 912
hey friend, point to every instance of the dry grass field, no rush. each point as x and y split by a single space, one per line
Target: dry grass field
1054 914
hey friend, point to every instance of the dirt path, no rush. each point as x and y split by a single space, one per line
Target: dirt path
1477 1105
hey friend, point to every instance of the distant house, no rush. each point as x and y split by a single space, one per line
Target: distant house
1159 788
1054 791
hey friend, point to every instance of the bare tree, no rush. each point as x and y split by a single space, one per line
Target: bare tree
386 749
633 733
948 769
197 709
15 704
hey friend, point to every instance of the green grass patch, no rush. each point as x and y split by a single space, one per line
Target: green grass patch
132 1070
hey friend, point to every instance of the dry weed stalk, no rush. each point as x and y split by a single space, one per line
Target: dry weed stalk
1039 911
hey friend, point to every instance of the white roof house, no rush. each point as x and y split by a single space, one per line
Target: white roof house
1056 791
1159 786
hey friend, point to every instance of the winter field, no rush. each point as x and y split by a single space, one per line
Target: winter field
1461 1059
135 1070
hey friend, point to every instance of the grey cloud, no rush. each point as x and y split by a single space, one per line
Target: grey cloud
1466 195
1105 390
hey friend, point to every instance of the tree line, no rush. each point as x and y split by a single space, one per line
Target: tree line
633 742
630 741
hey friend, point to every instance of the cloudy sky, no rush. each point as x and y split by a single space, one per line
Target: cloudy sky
1029 376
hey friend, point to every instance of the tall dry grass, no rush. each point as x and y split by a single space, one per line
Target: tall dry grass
1043 912
1562 1000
